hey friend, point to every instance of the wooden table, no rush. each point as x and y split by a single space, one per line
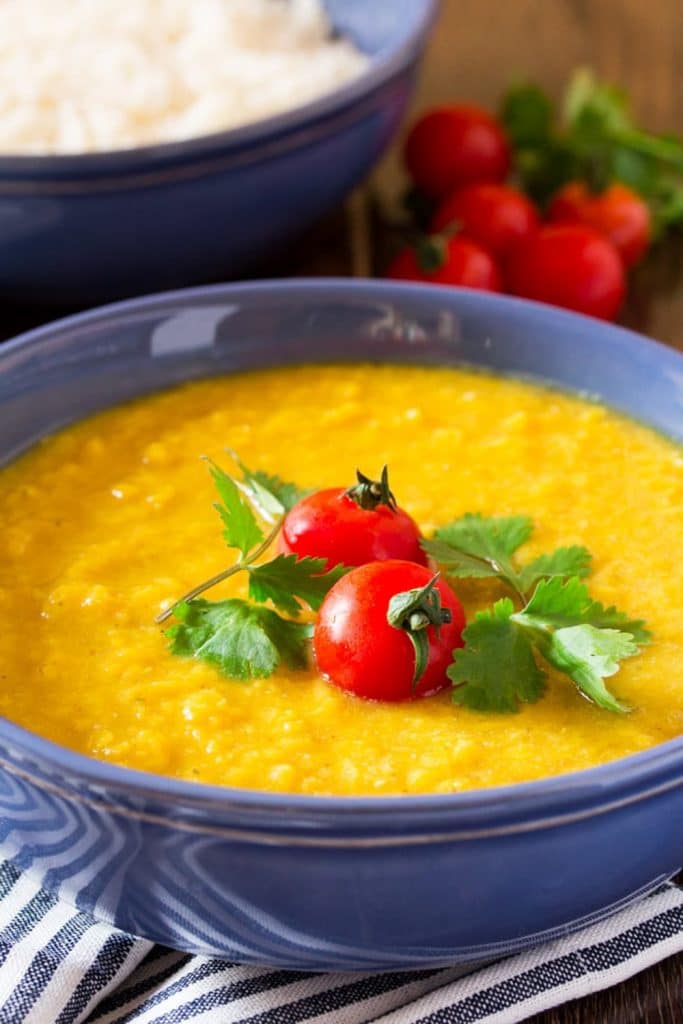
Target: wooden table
478 47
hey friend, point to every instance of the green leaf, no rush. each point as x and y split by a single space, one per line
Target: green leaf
458 563
542 168
241 529
597 142
242 640
589 655
633 169
496 669
487 536
564 562
271 495
287 579
595 109
557 603
287 493
527 114
580 636
476 546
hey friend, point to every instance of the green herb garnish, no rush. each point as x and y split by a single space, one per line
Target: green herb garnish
597 141
477 547
556 621
243 639
496 668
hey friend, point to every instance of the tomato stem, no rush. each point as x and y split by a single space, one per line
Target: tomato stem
431 252
368 494
413 611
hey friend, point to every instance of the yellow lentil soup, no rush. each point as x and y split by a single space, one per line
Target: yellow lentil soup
108 520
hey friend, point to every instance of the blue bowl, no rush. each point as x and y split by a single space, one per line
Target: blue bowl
75 230
333 883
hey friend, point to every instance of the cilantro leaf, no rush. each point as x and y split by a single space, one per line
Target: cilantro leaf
580 637
527 114
456 562
477 546
494 537
241 529
557 603
496 669
242 640
287 579
287 493
588 655
595 109
271 495
565 562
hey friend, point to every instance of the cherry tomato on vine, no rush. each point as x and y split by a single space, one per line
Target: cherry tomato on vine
387 631
454 145
440 260
353 526
618 213
569 265
496 216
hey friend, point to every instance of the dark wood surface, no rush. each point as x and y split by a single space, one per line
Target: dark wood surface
478 47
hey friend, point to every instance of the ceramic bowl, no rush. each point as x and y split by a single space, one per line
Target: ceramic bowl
76 230
332 883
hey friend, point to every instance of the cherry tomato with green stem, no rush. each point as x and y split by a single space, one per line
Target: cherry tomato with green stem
454 145
351 526
618 213
387 631
439 259
496 216
569 265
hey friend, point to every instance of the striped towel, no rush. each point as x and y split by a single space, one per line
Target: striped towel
59 966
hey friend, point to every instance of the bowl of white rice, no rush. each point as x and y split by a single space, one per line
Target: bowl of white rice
149 145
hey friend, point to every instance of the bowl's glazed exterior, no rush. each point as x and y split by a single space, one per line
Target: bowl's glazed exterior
76 230
342 883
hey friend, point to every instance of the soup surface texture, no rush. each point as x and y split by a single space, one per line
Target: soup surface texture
107 521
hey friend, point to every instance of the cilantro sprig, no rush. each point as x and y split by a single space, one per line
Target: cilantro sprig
242 638
507 648
477 547
595 140
547 620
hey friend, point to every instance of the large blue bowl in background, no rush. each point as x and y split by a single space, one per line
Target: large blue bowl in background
76 230
338 883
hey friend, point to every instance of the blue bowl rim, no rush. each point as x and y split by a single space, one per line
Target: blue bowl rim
382 69
543 801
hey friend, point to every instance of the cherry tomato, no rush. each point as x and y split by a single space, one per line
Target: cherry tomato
618 213
496 216
455 145
359 650
353 526
569 265
442 260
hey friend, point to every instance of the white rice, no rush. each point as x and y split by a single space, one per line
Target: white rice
84 75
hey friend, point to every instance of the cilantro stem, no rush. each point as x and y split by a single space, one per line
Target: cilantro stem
507 575
667 150
242 563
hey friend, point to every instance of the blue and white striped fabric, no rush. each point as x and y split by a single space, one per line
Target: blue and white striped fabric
58 966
